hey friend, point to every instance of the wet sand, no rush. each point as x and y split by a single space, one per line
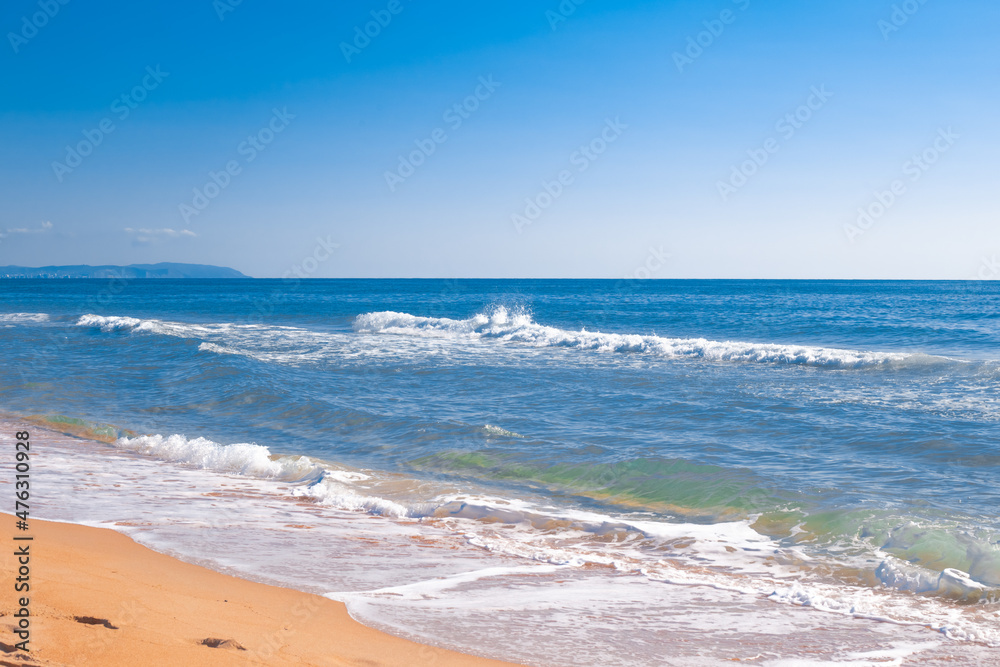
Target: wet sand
99 598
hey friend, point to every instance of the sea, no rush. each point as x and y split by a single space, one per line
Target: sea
551 472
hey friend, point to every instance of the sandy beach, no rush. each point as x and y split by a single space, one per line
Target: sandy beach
99 598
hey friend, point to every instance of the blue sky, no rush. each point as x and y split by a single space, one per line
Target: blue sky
722 139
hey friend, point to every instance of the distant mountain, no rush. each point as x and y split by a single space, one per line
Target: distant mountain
161 270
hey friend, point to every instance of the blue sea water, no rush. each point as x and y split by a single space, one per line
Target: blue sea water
852 427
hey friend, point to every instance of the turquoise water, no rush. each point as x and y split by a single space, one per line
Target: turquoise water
856 423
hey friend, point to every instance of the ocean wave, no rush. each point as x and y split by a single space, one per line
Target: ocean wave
110 323
674 487
310 479
517 326
267 343
734 557
728 555
392 495
333 490
949 582
243 458
936 559
24 318
116 323
293 345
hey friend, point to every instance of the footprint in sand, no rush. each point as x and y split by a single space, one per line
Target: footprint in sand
222 643
91 620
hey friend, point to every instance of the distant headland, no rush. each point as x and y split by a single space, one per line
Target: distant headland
161 270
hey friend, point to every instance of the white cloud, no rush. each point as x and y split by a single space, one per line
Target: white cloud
41 229
145 235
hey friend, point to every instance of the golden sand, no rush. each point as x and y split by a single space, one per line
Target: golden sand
99 598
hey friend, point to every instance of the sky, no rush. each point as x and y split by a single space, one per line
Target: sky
574 139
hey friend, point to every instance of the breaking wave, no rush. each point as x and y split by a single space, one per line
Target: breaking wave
518 327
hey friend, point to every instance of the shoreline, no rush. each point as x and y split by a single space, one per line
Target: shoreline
100 490
98 597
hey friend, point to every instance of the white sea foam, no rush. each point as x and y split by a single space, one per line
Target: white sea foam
111 323
950 582
732 557
297 355
293 345
519 327
107 323
333 491
267 343
243 458
133 324
222 349
726 557
313 481
24 318
421 590
492 430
